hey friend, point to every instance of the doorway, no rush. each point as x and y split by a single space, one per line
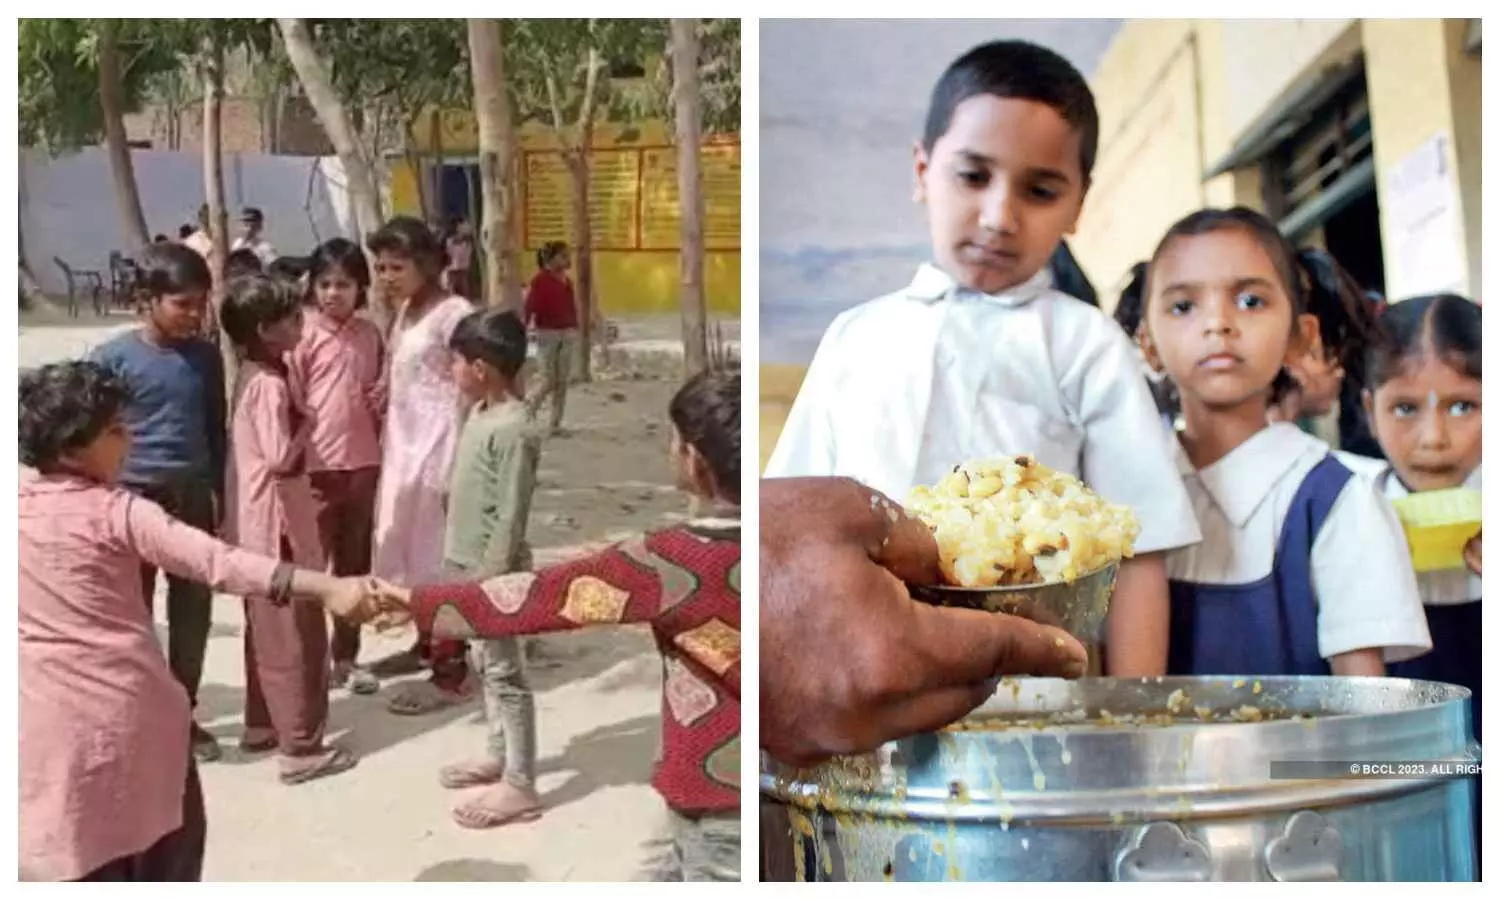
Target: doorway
1352 236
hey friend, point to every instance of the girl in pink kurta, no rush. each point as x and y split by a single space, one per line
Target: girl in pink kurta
423 418
271 510
107 785
337 369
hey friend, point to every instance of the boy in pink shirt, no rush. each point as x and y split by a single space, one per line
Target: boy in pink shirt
271 511
337 368
108 790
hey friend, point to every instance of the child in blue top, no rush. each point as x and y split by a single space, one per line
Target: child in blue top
980 355
175 412
1303 568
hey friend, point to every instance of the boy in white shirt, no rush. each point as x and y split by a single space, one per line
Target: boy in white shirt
979 356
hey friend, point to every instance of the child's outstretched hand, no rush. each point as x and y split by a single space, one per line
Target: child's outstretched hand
390 602
1473 554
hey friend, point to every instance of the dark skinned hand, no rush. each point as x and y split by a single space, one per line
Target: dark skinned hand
848 660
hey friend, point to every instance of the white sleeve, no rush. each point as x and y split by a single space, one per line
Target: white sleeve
807 444
1363 578
1127 454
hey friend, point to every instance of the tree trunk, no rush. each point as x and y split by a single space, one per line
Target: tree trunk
502 278
583 258
213 191
689 192
317 84
112 105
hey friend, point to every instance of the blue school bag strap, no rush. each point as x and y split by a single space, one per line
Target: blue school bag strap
1292 570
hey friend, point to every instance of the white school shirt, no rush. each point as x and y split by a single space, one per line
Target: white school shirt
1444 588
906 387
1361 570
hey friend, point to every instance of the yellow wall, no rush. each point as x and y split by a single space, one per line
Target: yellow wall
627 283
1176 95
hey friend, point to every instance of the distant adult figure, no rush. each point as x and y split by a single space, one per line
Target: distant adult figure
458 274
252 236
199 239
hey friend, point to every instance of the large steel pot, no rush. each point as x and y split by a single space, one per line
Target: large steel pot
1101 800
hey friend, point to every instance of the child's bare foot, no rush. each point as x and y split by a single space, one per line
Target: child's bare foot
498 805
471 774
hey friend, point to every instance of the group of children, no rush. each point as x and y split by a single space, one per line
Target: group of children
410 456
1261 549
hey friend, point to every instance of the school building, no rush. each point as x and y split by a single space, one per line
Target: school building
633 205
1361 136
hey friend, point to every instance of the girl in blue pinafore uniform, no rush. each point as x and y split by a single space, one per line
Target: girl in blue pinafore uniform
1303 569
1424 408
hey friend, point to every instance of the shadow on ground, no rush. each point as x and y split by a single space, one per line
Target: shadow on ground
363 724
557 659
609 756
474 870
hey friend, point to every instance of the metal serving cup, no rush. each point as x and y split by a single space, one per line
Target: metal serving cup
1078 607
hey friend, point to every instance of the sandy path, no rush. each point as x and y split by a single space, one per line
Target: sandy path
597 701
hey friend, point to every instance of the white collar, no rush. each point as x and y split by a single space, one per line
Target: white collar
1243 480
931 284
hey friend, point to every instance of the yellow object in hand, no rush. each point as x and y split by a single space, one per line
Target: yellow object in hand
1438 524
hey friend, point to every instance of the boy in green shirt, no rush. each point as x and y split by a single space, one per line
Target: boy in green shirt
494 475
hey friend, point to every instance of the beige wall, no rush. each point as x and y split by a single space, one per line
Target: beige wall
1263 59
1422 84
1149 169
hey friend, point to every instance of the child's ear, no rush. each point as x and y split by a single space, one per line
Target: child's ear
920 164
1148 348
1368 399
1309 339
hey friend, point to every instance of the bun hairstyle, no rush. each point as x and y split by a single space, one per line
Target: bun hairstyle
1131 308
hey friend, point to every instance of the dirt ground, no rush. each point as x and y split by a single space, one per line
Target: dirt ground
598 697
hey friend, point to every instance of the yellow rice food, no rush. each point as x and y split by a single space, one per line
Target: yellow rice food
1013 521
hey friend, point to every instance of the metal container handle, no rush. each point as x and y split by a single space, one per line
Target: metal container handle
1309 849
1162 851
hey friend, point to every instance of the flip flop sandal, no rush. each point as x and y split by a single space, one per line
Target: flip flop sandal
206 748
470 774
364 682
333 763
475 817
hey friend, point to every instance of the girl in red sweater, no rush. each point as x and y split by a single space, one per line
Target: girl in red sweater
551 312
684 581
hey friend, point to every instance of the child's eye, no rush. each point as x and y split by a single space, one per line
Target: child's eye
1404 410
1250 301
974 178
1461 408
1041 192
1180 307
